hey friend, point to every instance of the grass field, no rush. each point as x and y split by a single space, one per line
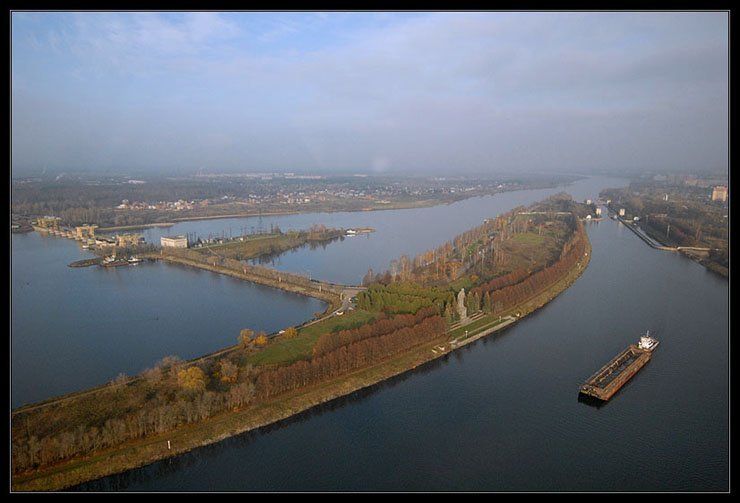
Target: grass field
288 350
460 331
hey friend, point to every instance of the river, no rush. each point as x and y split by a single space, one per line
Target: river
503 413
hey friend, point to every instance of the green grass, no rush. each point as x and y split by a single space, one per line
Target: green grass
282 350
483 321
241 244
464 282
528 238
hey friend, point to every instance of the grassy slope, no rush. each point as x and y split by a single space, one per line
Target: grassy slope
284 350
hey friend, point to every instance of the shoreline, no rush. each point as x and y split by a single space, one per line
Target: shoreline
146 451
328 296
425 203
645 236
134 227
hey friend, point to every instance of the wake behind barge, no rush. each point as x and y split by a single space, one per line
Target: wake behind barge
615 374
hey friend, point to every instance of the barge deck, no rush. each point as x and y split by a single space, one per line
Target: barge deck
615 374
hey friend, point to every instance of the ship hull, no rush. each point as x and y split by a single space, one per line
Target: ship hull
615 374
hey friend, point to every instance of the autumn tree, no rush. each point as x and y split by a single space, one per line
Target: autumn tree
261 339
192 379
290 332
228 371
245 337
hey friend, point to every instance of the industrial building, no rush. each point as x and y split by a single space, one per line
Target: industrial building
124 240
48 222
719 193
85 232
174 241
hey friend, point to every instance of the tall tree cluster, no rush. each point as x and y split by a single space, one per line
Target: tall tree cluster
331 341
347 358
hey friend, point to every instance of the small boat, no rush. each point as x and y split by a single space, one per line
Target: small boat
134 260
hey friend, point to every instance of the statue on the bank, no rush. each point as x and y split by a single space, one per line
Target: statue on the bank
461 309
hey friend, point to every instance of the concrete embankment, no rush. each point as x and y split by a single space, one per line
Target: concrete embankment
642 235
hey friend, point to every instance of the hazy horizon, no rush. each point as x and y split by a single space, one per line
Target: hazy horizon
377 92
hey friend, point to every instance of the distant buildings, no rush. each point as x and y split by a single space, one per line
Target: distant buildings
84 232
104 241
719 193
124 240
174 241
621 212
48 222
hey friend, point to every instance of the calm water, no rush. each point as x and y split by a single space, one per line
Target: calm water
397 231
76 328
73 328
503 413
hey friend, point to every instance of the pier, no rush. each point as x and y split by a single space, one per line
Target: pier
658 246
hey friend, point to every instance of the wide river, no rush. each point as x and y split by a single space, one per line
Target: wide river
500 414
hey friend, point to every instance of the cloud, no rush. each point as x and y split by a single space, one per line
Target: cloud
396 91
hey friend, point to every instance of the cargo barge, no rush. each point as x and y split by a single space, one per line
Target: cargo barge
615 374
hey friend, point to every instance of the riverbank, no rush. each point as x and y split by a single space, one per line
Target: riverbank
327 295
697 254
139 453
134 227
393 205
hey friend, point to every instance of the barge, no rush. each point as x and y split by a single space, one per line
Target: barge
615 374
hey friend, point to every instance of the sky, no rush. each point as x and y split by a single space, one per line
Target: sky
377 92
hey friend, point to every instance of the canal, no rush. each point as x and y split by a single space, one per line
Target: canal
77 328
500 414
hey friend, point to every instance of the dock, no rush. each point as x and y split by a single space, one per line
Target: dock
615 374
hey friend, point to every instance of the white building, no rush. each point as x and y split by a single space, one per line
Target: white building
621 212
174 241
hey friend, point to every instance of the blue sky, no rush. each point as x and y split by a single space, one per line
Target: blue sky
377 91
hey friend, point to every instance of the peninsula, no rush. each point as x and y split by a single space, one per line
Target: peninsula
420 309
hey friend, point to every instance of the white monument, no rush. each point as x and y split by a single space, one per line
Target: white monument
461 309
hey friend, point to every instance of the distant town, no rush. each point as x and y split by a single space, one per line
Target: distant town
111 202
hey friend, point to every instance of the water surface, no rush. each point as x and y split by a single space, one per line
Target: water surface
503 413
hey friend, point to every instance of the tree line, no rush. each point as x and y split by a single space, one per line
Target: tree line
406 297
171 394
331 341
346 358
499 296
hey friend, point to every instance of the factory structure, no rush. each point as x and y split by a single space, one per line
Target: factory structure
719 193
180 241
